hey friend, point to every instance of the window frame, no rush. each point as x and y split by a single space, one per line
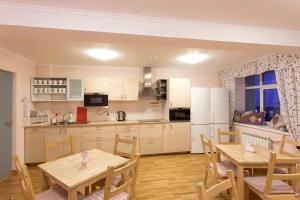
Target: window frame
261 88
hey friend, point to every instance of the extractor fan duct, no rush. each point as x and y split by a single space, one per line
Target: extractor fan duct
148 91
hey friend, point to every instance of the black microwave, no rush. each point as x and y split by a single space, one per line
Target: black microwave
179 114
96 100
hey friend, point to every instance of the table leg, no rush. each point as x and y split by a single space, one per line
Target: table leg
240 182
45 182
72 194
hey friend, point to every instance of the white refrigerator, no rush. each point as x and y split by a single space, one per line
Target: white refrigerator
209 111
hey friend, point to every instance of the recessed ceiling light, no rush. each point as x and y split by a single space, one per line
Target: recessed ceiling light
192 58
102 54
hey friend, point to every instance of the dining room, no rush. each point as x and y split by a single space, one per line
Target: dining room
149 100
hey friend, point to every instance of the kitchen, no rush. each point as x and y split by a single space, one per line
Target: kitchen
94 74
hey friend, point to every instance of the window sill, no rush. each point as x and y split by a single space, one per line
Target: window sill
262 127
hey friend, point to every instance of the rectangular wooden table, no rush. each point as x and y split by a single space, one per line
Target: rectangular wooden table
72 176
260 159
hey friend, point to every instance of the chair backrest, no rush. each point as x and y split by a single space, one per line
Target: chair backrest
128 182
128 142
61 144
231 134
283 142
211 193
210 157
25 180
18 166
272 176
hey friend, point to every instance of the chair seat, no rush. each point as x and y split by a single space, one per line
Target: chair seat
52 194
223 166
99 195
278 186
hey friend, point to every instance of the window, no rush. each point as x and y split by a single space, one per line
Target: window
262 94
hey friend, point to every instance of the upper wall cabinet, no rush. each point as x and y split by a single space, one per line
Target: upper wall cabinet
96 85
75 89
179 93
123 89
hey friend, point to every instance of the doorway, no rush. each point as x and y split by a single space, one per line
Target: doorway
5 123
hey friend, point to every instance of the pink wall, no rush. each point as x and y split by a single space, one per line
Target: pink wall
22 70
134 110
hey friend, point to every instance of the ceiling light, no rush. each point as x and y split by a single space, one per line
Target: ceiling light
193 58
102 54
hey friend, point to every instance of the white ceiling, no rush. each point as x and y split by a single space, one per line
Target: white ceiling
61 47
283 14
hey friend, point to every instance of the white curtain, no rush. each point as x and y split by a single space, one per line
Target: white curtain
287 68
288 80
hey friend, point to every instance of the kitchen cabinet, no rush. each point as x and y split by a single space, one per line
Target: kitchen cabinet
96 85
75 134
128 131
34 145
131 90
54 134
179 91
75 89
151 138
180 137
166 137
101 137
123 89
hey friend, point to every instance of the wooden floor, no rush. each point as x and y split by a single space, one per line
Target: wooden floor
166 177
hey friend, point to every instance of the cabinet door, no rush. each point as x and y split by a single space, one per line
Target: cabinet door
151 146
75 133
75 90
54 135
179 93
34 145
127 132
166 138
96 85
151 131
180 137
131 89
115 89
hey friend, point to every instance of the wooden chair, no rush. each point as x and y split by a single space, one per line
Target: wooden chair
58 144
18 166
27 188
217 169
211 193
231 134
132 143
283 142
273 184
126 189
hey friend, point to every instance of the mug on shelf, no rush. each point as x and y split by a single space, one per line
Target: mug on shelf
40 82
35 90
45 82
54 82
63 90
35 82
54 90
60 82
50 82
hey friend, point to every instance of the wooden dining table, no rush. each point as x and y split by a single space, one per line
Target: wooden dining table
70 174
259 159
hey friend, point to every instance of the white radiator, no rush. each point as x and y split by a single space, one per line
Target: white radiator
256 139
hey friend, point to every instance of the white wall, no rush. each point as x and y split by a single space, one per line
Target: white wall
22 70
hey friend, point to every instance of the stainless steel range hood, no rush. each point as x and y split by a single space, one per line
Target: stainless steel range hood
148 91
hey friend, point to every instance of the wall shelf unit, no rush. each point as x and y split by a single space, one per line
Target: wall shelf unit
56 89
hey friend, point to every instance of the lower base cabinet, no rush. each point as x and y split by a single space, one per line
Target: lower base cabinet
180 137
151 138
